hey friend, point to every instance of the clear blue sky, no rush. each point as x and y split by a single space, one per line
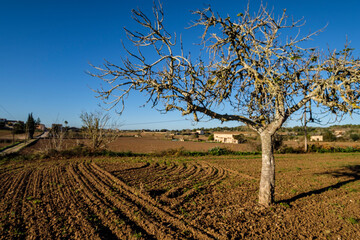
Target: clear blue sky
45 48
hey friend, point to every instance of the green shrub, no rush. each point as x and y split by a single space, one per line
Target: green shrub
217 151
354 137
241 138
211 137
329 136
277 141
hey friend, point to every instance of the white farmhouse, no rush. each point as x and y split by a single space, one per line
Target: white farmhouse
339 133
200 132
225 137
316 138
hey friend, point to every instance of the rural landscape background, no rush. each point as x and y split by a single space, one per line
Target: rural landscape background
260 138
179 184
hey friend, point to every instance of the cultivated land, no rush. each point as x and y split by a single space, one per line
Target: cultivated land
6 137
210 197
147 145
156 143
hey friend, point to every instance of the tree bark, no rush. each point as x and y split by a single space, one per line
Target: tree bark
267 181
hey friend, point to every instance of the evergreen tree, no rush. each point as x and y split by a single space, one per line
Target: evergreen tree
38 121
30 126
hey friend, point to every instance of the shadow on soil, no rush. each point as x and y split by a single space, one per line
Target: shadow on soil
351 171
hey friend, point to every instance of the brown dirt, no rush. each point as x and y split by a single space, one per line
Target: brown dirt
146 145
156 143
300 144
318 197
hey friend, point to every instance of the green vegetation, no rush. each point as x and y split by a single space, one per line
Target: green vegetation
354 137
353 220
30 126
211 137
18 128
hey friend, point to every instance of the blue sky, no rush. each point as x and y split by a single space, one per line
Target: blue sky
46 48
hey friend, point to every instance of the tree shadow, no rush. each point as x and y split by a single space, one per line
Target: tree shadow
350 171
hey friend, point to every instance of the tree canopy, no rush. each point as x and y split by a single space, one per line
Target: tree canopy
252 68
253 64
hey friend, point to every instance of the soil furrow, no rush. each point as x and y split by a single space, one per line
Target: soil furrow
149 222
209 177
11 205
214 174
173 168
149 203
192 173
6 180
96 206
73 223
33 212
51 191
108 215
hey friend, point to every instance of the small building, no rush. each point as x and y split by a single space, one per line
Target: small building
41 127
226 137
318 138
12 123
339 133
200 132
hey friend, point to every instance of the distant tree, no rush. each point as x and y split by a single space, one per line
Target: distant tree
354 137
329 136
211 137
196 135
253 64
240 137
30 126
57 135
95 127
278 141
18 128
37 122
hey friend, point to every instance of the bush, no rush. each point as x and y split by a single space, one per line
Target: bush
329 136
324 149
286 149
211 137
354 137
277 141
241 138
217 151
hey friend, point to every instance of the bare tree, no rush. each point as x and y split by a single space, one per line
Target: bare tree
96 129
256 67
56 138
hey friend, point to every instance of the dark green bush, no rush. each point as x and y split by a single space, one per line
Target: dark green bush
217 151
211 137
354 137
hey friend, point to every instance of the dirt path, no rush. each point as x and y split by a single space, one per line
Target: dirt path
20 146
17 147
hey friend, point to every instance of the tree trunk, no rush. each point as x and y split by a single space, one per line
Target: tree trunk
267 181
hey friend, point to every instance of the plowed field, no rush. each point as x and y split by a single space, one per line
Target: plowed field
180 198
